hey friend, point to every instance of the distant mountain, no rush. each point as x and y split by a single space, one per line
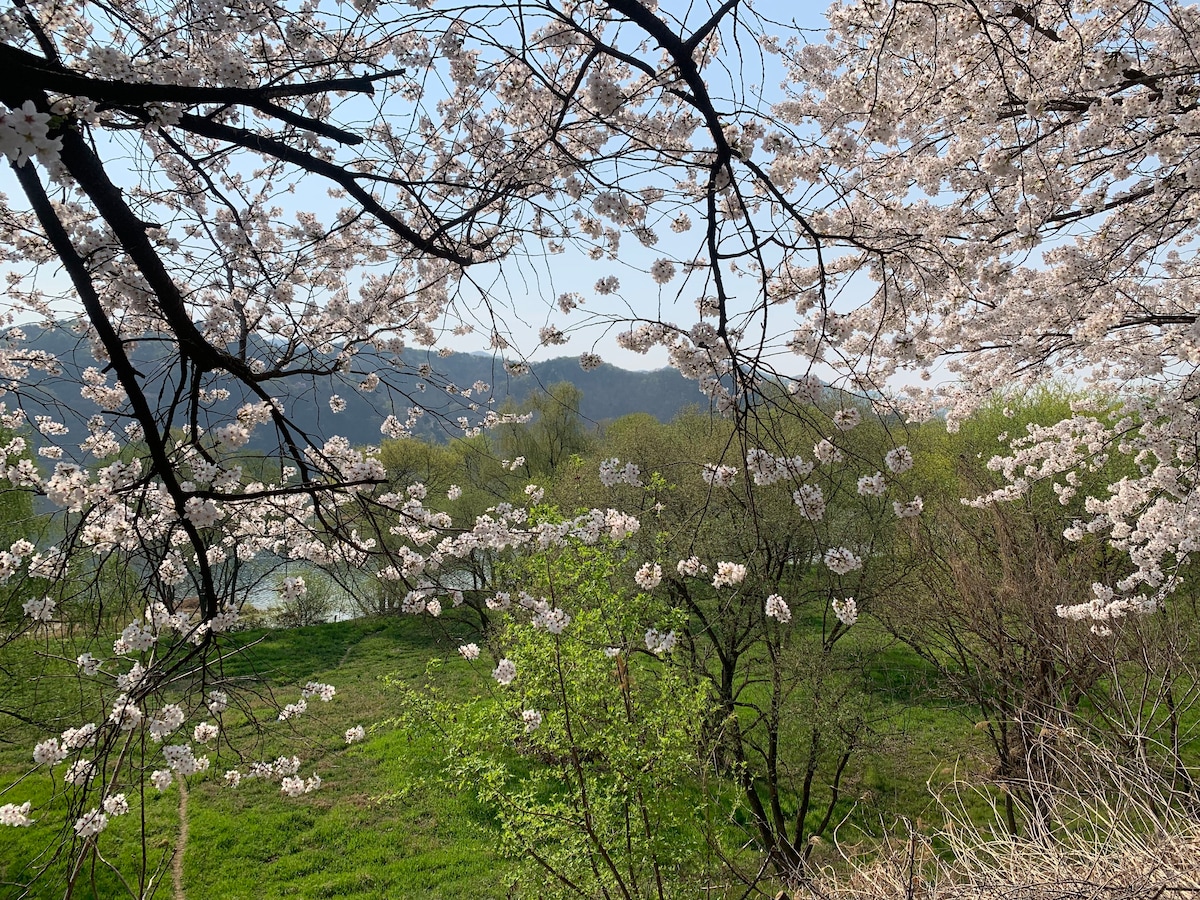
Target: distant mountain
416 378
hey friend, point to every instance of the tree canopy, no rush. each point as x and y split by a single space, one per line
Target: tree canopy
938 203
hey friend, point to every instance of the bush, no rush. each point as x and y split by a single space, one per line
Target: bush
588 756
311 599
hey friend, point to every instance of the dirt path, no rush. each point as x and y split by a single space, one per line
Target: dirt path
181 844
354 646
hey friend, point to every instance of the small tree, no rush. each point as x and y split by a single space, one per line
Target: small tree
588 749
308 599
766 559
985 601
555 433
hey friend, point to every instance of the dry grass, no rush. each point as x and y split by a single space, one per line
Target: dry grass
1126 867
1097 823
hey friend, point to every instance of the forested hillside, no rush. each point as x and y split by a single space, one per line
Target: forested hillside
419 377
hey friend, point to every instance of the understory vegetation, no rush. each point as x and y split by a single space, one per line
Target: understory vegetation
927 723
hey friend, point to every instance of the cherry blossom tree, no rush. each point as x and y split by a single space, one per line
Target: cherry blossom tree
1019 183
276 199
765 581
269 197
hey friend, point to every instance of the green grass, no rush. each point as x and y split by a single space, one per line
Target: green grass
384 823
379 826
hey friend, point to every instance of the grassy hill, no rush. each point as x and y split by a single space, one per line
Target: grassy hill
385 822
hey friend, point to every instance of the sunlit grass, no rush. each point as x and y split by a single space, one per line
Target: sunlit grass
384 823
379 826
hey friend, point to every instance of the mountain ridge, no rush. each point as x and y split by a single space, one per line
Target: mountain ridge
416 378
